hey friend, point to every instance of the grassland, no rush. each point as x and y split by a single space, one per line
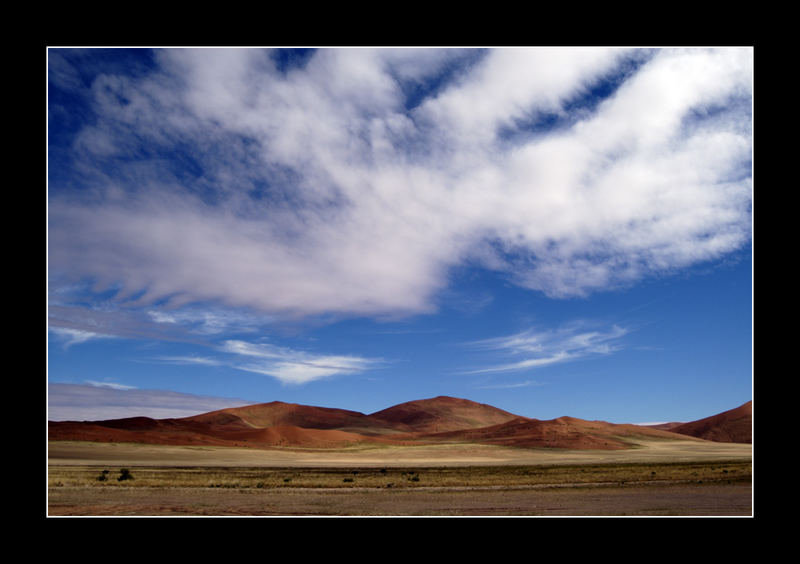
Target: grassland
455 454
656 478
106 477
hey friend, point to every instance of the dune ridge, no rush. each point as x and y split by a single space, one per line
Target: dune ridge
732 426
442 419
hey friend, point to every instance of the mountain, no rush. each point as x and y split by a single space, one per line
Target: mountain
563 432
732 426
437 420
278 413
440 414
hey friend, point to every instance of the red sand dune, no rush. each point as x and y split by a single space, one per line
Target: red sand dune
108 432
440 419
732 426
563 432
260 416
440 414
291 435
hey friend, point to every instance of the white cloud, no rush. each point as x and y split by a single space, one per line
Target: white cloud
512 385
318 192
77 402
112 385
542 348
69 336
189 360
207 321
292 366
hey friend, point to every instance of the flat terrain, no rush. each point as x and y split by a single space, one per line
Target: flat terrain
658 477
723 499
455 454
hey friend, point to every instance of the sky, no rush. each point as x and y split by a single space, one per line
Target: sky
551 231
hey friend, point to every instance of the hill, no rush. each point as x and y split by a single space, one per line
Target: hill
563 432
277 413
441 419
439 414
732 426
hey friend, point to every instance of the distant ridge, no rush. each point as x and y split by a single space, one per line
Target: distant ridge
442 413
732 426
434 420
277 413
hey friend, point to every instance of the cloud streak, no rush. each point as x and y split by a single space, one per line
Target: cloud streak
292 366
353 182
543 348
287 365
70 336
100 401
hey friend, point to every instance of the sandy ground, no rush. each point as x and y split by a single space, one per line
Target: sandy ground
78 453
651 500
677 499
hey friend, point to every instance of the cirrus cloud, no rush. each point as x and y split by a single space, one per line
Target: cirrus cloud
353 182
540 348
95 401
292 366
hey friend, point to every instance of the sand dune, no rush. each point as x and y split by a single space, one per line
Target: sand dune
732 426
437 420
563 432
442 413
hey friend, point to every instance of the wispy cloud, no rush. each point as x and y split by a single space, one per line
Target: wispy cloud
354 181
189 360
292 366
112 385
542 348
209 321
72 321
287 365
93 402
69 336
511 385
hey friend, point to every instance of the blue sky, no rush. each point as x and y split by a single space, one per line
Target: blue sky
551 231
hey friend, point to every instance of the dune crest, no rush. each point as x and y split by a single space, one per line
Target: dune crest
442 419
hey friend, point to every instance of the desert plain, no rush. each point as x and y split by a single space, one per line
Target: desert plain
474 472
656 479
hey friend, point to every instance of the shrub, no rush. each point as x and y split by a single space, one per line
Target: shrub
125 474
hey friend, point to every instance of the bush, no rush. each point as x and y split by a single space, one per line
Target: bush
103 476
125 474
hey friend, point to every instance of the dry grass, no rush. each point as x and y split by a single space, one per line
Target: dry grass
591 490
122 454
437 477
659 478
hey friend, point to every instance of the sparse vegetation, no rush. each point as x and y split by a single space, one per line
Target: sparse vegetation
194 480
449 476
694 487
